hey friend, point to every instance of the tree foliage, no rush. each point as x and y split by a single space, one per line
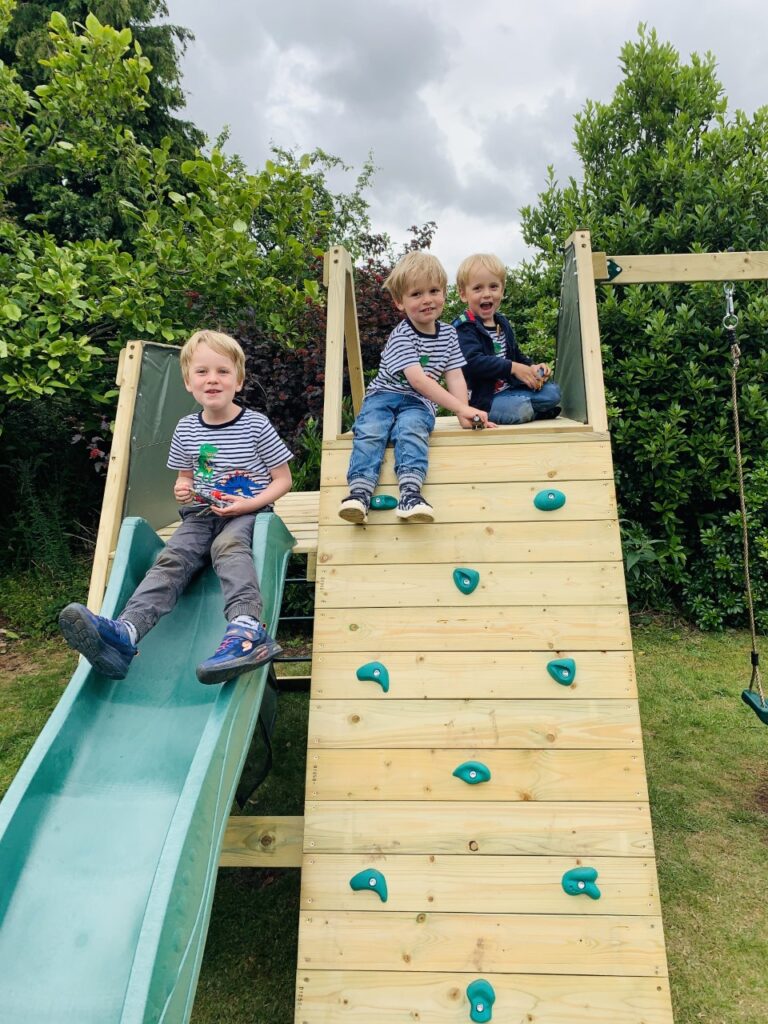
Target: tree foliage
666 169
172 243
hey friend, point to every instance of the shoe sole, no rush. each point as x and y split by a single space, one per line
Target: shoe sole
83 636
353 515
415 516
261 655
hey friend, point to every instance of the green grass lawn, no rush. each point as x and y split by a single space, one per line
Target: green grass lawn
707 759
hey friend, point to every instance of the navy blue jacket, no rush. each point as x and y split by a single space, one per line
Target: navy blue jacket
484 367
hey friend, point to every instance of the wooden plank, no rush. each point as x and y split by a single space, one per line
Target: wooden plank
689 267
261 842
334 274
395 997
128 375
585 628
384 774
489 463
553 944
405 543
552 829
591 356
523 885
398 586
488 502
470 674
447 432
454 724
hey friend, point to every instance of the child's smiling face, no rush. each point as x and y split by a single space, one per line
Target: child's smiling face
422 303
483 293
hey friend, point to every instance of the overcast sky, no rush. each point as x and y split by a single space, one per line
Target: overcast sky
463 105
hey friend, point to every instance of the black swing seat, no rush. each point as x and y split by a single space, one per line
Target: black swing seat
753 700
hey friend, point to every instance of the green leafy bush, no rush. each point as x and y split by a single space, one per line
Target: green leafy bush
666 170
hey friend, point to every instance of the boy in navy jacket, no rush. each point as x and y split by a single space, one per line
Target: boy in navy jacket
501 380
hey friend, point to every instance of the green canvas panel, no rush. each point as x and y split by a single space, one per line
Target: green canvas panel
161 401
569 363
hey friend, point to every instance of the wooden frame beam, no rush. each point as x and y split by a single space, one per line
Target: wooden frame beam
592 362
262 842
341 335
671 268
128 375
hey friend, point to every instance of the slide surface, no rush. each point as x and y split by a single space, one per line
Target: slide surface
110 834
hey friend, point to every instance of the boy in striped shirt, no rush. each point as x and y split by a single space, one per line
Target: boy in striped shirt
231 465
401 401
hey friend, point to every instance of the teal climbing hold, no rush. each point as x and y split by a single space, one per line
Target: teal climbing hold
383 501
548 501
562 670
754 701
473 772
466 579
372 880
581 882
481 999
374 672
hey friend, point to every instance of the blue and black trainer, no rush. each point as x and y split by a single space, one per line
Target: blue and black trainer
242 649
106 643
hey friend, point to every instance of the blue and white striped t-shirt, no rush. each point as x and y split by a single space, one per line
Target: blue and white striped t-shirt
406 346
235 457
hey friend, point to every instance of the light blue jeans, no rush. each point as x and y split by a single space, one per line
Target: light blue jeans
520 405
408 422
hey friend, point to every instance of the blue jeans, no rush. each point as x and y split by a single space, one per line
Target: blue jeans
199 539
520 404
404 418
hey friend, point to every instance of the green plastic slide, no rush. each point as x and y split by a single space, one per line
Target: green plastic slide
110 834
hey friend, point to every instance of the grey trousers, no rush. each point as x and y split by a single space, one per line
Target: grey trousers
200 539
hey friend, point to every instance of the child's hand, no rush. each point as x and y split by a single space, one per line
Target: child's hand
473 419
236 505
182 490
527 375
543 372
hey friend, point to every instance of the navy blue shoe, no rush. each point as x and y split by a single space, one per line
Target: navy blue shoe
242 649
106 643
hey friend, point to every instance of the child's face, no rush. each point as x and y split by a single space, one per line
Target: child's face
422 303
483 293
213 381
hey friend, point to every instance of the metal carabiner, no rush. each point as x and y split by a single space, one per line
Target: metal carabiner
730 320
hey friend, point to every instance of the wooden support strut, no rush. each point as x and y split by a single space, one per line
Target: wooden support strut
671 268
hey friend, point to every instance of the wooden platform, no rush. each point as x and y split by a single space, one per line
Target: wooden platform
474 873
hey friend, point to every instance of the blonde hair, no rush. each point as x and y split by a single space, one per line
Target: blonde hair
221 343
415 266
487 260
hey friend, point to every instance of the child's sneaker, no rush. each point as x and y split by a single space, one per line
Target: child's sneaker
242 649
414 508
354 508
106 643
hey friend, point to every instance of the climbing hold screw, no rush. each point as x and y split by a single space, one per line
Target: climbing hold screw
473 772
375 672
481 999
581 882
548 501
562 670
372 880
466 579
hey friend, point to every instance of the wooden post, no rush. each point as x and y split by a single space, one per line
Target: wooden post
594 387
341 324
128 374
671 268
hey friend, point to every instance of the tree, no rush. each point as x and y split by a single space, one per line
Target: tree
665 169
166 257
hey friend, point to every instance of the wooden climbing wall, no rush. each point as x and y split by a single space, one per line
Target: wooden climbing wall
474 872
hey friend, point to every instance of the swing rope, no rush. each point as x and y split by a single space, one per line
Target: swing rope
730 320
